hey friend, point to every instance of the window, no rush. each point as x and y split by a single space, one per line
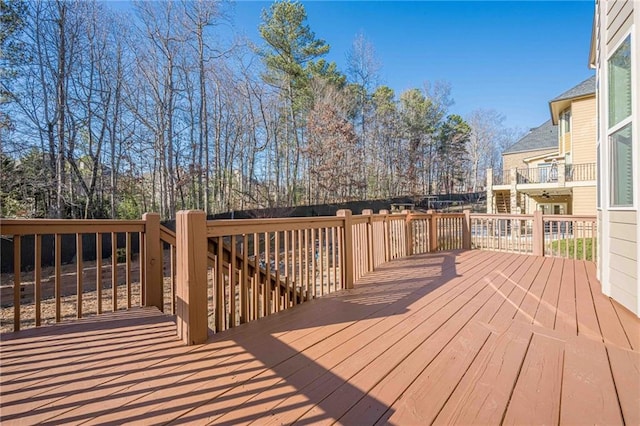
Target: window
620 129
565 121
543 172
621 167
620 84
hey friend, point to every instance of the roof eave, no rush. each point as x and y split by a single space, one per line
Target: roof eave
520 151
550 155
559 105
592 47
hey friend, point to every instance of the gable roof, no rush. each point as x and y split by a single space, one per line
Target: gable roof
583 90
587 87
542 137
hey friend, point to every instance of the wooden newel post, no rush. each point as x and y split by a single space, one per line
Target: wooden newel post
153 280
370 237
347 255
538 234
466 230
433 231
191 286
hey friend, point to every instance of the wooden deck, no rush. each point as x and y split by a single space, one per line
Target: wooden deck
465 337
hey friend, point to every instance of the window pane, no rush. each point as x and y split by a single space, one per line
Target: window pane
620 84
621 168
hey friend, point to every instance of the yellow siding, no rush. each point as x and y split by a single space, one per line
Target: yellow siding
584 200
565 143
516 160
583 131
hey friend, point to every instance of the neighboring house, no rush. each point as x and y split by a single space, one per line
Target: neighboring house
615 54
553 167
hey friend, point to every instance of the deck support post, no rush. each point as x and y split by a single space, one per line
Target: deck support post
347 255
153 280
538 234
466 230
191 248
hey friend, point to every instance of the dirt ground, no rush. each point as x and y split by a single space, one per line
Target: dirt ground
69 299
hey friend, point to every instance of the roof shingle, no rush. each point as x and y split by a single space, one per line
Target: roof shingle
587 87
544 136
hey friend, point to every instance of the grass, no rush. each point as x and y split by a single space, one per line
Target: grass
581 248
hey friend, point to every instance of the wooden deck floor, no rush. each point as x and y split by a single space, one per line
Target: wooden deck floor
465 337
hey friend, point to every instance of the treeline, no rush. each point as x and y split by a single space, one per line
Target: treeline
109 114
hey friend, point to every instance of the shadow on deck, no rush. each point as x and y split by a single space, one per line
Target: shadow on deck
460 337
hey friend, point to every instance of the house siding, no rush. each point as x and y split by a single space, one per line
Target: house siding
619 242
584 200
619 18
516 160
583 131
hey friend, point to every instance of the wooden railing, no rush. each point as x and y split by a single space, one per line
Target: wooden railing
44 292
220 274
569 236
168 247
508 233
258 267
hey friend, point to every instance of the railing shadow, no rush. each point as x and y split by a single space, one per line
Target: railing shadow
279 368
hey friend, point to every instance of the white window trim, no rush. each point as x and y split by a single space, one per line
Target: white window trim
608 131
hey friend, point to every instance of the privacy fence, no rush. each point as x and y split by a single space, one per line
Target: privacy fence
220 274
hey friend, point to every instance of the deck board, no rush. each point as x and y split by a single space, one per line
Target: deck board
588 391
619 326
538 404
548 306
454 337
482 395
528 307
566 314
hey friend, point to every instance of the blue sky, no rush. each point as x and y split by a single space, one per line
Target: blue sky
508 56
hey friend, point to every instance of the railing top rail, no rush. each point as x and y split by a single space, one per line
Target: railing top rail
566 217
167 235
360 219
501 216
224 227
68 226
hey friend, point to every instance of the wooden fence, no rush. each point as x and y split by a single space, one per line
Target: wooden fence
220 274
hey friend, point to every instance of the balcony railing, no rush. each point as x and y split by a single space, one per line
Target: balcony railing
537 175
501 177
222 273
580 172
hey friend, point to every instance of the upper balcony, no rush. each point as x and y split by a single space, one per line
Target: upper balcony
553 175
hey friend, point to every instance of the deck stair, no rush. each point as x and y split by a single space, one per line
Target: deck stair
503 202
